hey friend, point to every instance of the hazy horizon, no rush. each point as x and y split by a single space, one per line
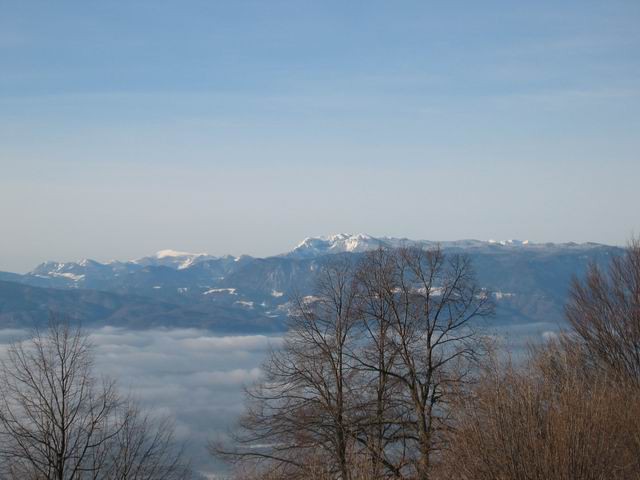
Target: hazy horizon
243 127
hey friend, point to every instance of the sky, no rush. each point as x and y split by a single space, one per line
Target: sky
128 127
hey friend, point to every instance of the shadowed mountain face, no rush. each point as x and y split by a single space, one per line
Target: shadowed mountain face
25 306
246 294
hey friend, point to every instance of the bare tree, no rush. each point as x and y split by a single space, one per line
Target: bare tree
381 417
54 414
418 309
573 410
58 421
360 387
144 448
545 419
297 421
604 313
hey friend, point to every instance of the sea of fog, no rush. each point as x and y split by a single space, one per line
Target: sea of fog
197 377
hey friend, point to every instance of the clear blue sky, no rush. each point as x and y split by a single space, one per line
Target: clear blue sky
243 126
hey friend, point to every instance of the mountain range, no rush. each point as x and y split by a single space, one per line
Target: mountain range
246 294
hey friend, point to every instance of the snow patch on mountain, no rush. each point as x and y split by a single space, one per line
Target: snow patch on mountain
230 291
244 303
70 276
502 295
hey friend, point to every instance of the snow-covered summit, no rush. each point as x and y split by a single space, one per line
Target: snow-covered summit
174 259
511 242
78 272
338 243
70 273
316 246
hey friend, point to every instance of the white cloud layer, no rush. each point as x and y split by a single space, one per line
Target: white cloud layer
189 374
198 378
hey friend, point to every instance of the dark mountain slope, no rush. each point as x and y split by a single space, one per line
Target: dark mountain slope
25 306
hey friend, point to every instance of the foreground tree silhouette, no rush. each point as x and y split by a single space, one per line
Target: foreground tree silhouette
545 420
58 421
297 422
144 448
573 409
604 313
359 390
417 308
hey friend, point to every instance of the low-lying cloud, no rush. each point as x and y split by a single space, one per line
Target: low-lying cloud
197 377
191 375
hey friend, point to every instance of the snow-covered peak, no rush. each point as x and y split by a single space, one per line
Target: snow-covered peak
352 243
312 247
175 253
174 259
511 242
82 269
338 243
74 272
